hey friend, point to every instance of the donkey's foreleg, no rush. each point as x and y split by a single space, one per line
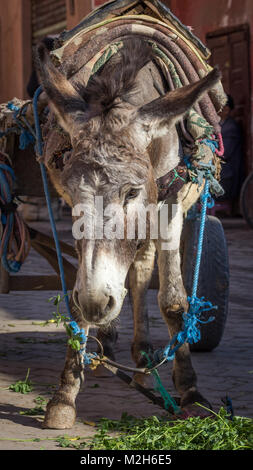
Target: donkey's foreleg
61 410
140 274
172 299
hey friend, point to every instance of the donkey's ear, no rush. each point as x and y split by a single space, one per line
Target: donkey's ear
163 112
63 98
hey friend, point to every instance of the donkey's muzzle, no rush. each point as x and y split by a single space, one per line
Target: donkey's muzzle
95 307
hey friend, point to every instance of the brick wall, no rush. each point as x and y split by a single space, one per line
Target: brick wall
48 17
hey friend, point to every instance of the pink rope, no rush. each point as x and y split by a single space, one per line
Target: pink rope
220 150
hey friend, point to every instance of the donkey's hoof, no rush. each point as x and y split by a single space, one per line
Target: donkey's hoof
59 416
194 410
190 407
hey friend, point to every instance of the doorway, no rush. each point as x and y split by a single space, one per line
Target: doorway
230 50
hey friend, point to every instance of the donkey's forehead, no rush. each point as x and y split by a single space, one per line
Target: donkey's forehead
94 139
93 177
92 182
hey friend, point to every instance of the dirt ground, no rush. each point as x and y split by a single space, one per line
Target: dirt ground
27 345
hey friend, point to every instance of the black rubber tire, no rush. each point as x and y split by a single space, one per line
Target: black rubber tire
213 276
246 200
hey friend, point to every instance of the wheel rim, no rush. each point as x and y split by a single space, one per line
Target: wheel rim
246 199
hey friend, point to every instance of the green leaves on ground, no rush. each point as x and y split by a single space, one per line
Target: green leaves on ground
22 386
153 433
38 409
210 433
71 442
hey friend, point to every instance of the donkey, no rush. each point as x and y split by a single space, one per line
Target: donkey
123 137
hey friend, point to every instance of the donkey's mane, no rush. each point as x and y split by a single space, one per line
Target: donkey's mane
117 78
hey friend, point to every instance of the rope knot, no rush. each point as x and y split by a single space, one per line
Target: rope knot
192 318
78 331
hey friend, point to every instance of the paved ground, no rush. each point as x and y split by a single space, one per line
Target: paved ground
25 344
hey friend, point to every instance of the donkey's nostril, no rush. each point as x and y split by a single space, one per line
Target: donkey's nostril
110 304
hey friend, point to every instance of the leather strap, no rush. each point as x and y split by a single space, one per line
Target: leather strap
172 182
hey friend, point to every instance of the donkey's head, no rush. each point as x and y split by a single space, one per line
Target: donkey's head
108 175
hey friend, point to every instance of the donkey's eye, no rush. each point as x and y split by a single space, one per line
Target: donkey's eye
132 194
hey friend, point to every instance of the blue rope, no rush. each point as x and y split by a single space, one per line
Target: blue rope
229 406
11 266
211 143
26 137
77 331
191 332
204 171
39 150
205 197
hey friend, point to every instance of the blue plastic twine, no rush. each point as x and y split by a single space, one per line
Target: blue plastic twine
26 137
11 266
191 332
39 150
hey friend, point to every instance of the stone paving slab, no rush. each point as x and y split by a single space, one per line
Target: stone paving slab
24 344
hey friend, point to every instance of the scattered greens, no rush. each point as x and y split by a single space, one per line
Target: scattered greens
38 409
58 317
32 340
71 442
22 386
40 401
153 433
210 433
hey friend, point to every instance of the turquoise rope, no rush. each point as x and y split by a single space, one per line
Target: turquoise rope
167 398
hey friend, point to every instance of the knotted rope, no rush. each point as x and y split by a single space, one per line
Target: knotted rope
15 239
23 129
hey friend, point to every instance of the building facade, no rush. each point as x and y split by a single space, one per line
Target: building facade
226 27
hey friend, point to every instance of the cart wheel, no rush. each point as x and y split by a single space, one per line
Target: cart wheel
213 276
246 200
